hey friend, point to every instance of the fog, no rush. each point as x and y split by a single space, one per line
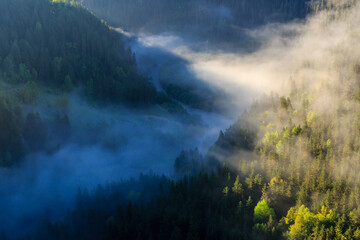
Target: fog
315 61
318 57
243 76
108 144
115 143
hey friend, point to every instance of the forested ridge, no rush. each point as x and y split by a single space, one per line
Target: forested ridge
63 45
52 49
173 15
208 23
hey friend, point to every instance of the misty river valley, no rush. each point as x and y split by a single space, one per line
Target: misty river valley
171 120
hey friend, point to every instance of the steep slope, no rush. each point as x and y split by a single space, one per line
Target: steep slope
52 52
62 45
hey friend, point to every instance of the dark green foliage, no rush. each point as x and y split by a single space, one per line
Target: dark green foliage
185 96
285 102
171 106
218 17
20 135
295 167
238 136
277 193
34 132
67 84
60 46
28 93
10 137
180 83
63 45
189 163
193 208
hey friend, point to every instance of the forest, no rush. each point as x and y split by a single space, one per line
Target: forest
61 48
38 44
286 168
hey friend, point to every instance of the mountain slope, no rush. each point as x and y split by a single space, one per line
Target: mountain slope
51 52
63 45
290 164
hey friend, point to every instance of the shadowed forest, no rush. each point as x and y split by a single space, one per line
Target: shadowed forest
168 119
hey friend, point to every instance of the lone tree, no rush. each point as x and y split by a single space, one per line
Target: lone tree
262 212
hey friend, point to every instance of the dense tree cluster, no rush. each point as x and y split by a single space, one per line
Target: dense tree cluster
10 138
24 133
297 185
288 169
61 44
52 48
192 208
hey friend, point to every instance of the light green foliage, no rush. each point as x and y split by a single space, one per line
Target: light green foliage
59 1
296 131
226 190
237 188
278 189
262 212
303 222
310 98
328 143
311 117
357 234
271 138
280 147
240 205
286 134
254 181
305 163
249 202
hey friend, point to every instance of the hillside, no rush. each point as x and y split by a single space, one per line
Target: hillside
80 123
51 52
62 45
208 17
288 169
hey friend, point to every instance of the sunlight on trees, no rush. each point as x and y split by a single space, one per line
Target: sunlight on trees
262 212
